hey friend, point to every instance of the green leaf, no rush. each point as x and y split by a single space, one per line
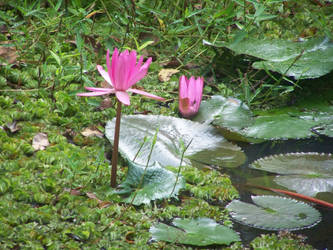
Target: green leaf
157 183
274 213
303 59
4 185
207 147
305 173
229 115
236 122
198 232
56 57
325 129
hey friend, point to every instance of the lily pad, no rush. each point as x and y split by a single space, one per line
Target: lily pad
274 213
157 183
311 58
207 146
226 112
305 173
198 232
236 122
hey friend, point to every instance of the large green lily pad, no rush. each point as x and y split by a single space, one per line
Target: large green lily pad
157 183
302 59
274 213
198 232
225 112
207 146
305 173
236 122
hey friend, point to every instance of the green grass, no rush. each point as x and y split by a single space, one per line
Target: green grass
44 201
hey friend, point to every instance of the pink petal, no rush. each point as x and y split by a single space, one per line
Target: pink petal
113 66
131 68
93 93
144 93
123 97
108 66
183 93
140 72
104 74
121 71
110 90
192 85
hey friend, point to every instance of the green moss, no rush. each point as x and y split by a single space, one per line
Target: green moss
284 240
43 194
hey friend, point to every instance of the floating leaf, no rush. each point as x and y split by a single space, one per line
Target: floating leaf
229 115
198 232
305 173
236 122
157 183
225 112
207 147
304 185
304 59
274 213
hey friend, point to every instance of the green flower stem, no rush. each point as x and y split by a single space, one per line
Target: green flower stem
180 166
115 147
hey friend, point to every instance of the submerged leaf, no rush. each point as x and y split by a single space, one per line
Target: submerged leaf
305 173
157 183
207 147
198 232
274 213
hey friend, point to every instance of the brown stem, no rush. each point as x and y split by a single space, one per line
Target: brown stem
297 195
115 147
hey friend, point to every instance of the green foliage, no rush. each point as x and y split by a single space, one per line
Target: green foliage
274 213
198 232
207 146
236 122
44 201
306 173
306 59
283 240
144 185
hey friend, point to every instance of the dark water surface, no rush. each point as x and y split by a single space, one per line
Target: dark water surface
319 236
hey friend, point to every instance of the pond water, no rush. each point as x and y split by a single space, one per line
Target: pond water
319 236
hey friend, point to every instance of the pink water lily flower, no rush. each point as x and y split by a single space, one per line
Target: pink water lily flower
190 94
122 73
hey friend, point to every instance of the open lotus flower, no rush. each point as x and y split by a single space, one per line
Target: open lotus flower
123 72
190 94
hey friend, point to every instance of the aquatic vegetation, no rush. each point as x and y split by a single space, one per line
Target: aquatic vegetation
198 232
302 59
237 122
274 213
306 173
56 195
207 147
